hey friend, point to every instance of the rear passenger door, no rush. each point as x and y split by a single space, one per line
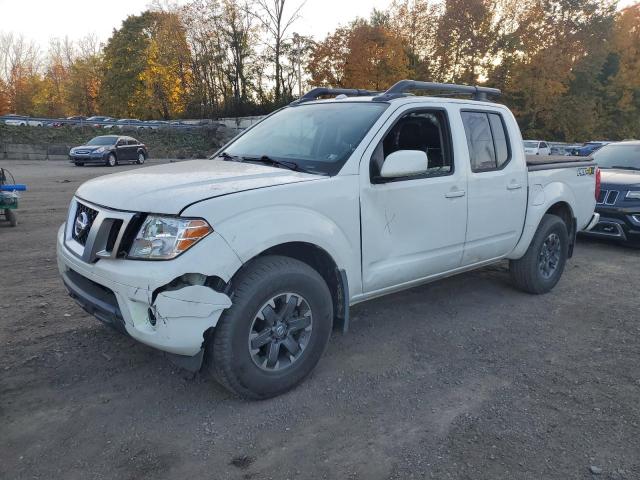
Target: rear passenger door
133 145
497 187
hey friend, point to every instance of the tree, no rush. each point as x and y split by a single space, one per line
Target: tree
622 91
19 73
416 22
363 56
146 65
271 13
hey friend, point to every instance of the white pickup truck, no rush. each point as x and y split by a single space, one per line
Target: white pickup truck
246 261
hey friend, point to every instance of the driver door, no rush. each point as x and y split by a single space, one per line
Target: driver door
412 227
122 151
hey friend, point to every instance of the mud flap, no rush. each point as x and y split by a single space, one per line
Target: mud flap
342 318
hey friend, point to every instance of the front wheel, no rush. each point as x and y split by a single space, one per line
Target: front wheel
112 161
276 330
141 158
541 267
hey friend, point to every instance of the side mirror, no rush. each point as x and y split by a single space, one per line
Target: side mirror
405 163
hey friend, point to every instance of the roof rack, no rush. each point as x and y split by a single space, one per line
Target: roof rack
401 88
318 92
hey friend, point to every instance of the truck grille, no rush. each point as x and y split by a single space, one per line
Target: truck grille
95 232
608 197
85 216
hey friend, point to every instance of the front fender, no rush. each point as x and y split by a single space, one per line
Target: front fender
541 198
250 231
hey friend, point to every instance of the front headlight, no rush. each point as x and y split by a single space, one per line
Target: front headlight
99 150
633 194
163 238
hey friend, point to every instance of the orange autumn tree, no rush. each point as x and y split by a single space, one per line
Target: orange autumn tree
363 55
623 90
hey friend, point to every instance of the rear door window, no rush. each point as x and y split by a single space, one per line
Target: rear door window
486 139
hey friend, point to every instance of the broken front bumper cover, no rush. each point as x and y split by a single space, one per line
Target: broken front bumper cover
121 293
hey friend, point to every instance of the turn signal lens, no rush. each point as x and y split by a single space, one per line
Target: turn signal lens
197 230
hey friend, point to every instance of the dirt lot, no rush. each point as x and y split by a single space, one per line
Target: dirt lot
466 378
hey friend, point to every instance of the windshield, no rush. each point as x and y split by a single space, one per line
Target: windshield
102 141
530 144
318 137
619 156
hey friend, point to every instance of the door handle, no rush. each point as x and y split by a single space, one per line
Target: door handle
514 186
455 193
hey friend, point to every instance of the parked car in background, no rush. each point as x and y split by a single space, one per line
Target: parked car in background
109 150
256 254
561 148
91 121
21 121
128 124
619 201
75 121
588 148
536 147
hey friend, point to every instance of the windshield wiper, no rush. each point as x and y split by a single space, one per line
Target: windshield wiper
231 158
290 164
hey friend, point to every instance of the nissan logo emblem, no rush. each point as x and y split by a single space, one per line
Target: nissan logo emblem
81 225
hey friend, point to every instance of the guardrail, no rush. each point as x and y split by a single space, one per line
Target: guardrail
14 120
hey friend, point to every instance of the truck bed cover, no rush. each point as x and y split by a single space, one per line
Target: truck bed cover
548 162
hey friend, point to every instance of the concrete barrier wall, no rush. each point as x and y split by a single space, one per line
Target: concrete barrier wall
26 151
240 123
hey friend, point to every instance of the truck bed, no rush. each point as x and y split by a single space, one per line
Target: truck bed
547 162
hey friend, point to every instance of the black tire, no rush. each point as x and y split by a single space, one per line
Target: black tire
79 164
532 273
228 357
112 161
11 217
141 158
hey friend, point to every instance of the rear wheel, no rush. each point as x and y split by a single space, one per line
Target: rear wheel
79 164
112 161
275 332
11 217
541 267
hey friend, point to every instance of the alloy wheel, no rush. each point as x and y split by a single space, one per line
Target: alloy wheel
280 332
549 256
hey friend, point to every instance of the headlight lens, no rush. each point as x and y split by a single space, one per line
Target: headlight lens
633 194
163 238
99 150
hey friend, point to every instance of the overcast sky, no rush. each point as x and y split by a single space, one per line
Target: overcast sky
40 20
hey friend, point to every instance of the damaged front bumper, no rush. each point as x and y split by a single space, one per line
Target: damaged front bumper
168 305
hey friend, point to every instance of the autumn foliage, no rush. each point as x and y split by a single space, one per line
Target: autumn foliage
569 69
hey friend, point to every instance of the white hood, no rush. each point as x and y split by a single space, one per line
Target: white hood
171 187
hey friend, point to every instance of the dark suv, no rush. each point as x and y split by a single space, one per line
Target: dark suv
619 200
109 150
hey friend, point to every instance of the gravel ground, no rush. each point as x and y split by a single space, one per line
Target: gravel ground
465 378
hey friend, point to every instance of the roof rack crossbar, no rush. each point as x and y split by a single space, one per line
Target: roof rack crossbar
318 92
401 88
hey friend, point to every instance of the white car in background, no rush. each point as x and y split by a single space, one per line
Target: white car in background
536 147
21 121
